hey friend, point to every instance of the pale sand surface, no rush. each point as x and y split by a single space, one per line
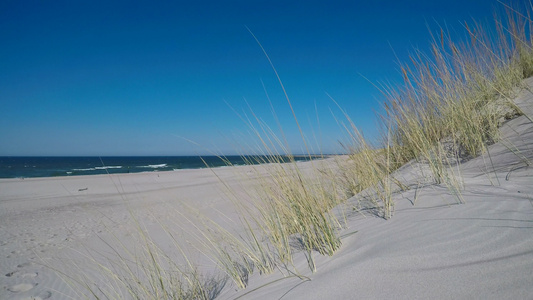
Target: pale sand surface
435 249
45 218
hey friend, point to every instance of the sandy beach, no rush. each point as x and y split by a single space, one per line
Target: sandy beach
43 217
432 248
266 150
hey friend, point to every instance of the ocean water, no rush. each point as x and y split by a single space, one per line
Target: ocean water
21 167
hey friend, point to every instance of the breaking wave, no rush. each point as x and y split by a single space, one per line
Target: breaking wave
154 166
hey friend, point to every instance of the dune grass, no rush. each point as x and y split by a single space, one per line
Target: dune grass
291 207
295 211
453 101
449 107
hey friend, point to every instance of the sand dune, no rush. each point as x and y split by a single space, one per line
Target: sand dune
438 249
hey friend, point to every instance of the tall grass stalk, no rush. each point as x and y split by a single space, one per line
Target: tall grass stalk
368 168
293 205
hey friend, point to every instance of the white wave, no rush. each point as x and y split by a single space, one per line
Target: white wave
89 169
154 166
108 167
158 166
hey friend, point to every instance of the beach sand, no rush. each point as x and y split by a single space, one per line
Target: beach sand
434 249
46 220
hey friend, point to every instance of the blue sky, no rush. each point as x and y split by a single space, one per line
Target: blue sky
137 77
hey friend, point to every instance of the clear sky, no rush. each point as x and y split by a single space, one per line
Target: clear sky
137 77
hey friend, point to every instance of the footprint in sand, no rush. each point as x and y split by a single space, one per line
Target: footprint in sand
41 296
23 287
11 274
26 264
45 295
29 275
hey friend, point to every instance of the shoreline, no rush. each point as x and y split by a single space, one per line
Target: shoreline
214 161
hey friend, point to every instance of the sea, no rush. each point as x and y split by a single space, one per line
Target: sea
31 166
